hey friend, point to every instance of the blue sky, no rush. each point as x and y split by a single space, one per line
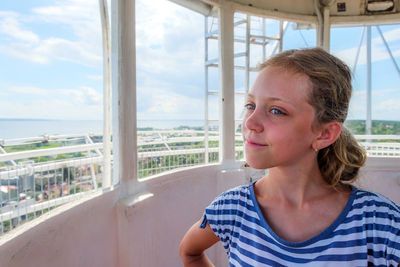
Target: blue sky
51 62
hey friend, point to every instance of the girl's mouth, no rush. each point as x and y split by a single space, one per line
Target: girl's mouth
254 143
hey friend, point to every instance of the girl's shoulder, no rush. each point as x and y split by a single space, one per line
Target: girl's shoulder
373 200
241 192
369 202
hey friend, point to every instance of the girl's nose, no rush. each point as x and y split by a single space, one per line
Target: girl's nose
253 122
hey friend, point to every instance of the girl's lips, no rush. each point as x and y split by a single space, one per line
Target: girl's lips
252 143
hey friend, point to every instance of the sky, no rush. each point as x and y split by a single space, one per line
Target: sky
51 62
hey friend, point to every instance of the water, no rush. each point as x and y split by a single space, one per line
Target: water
19 128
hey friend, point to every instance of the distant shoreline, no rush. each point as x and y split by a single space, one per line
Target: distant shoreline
154 120
27 127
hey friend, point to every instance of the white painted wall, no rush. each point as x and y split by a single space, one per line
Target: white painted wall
381 175
157 224
84 235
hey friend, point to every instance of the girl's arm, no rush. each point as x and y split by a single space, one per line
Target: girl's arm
194 243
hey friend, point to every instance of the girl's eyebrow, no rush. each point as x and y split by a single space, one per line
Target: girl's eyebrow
250 96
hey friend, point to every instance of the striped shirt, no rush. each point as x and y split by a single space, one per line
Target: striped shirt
366 233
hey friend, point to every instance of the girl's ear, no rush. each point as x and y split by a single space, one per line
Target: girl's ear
328 134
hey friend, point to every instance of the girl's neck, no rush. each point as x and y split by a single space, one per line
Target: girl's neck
296 186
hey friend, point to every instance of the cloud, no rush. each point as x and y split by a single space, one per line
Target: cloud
169 39
164 104
57 108
80 16
28 90
79 19
385 105
61 49
389 105
34 102
378 53
95 77
86 95
10 26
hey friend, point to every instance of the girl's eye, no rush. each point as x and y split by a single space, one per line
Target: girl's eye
276 111
250 106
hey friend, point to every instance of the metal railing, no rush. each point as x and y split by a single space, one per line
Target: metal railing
160 151
380 145
40 173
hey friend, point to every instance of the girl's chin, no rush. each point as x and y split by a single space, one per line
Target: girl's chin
256 164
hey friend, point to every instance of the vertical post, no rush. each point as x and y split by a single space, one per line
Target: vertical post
358 50
281 32
326 30
264 42
227 94
368 124
206 90
247 63
124 94
106 96
320 24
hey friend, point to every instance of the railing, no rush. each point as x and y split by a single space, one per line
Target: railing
40 173
380 145
57 169
160 151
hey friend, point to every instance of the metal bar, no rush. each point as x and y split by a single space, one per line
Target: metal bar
376 136
164 142
369 83
206 91
236 67
125 60
90 141
49 138
264 44
326 29
388 50
283 25
247 53
48 152
212 93
4 152
358 50
320 24
264 37
227 98
252 41
304 39
15 213
215 60
49 166
106 94
216 32
282 30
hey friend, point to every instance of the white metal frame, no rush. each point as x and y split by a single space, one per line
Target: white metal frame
227 91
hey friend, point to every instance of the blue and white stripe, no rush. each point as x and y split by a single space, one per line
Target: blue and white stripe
367 233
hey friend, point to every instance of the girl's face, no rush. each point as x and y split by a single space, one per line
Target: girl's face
277 127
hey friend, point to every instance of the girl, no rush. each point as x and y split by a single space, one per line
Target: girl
304 211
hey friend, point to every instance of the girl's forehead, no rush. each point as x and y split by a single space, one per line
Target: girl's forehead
277 82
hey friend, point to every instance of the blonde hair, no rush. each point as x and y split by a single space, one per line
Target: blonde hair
330 96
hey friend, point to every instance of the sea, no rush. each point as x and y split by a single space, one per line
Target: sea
21 128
